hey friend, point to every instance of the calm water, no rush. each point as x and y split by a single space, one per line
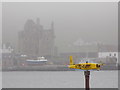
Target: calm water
59 79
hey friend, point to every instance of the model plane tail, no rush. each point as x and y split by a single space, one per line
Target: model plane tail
71 60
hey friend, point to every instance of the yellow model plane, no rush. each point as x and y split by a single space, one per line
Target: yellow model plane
84 66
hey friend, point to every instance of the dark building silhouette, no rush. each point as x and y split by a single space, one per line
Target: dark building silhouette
34 40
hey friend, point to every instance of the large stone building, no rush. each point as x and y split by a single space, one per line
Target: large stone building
34 40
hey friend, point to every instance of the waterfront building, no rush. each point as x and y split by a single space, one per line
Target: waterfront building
7 56
34 40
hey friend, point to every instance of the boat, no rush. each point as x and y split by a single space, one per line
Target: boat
39 60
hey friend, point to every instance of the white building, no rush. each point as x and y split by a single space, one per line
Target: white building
6 56
6 49
109 55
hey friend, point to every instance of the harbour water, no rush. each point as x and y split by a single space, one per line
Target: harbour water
58 79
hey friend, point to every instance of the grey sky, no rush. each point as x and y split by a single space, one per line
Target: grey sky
88 21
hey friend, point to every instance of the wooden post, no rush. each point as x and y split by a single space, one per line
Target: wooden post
87 73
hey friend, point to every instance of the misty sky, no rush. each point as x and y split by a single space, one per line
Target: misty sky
87 21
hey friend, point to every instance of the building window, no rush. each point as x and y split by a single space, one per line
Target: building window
114 54
110 54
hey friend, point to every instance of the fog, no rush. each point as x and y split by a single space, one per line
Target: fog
87 21
0 22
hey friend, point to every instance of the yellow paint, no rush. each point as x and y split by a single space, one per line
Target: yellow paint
84 66
71 60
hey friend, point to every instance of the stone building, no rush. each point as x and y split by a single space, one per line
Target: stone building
34 40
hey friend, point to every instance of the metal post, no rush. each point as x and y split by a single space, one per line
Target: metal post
87 73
